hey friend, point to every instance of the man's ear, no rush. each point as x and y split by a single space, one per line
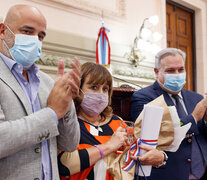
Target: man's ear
156 72
2 31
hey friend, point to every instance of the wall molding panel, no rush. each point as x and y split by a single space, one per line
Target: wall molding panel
113 9
56 47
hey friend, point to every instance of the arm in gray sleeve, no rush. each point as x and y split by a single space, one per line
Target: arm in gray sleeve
69 129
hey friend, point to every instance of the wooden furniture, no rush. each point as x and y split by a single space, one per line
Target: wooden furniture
121 101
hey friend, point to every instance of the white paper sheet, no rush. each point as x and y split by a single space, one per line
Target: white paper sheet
179 132
151 121
179 135
174 116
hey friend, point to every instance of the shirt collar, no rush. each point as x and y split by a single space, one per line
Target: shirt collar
179 94
16 66
9 62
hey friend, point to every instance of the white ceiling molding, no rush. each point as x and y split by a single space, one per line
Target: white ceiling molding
116 10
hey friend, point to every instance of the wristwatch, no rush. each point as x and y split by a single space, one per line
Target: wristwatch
165 160
165 155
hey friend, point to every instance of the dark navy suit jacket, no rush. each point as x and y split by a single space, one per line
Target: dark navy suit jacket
178 164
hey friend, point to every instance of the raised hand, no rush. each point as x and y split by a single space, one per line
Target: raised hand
200 109
75 75
61 67
65 88
75 78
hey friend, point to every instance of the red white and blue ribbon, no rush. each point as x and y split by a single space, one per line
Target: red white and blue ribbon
103 50
135 145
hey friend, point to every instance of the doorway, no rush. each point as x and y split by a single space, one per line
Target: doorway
180 34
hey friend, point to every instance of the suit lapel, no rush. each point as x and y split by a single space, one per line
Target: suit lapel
44 89
42 93
168 100
12 83
188 105
160 91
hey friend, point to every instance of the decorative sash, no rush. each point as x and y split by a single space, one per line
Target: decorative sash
135 145
103 50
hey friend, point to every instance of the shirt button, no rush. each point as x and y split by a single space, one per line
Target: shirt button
189 140
19 66
37 150
189 160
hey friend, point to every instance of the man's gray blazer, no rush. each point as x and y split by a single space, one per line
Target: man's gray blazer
21 131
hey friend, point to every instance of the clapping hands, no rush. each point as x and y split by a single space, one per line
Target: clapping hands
65 88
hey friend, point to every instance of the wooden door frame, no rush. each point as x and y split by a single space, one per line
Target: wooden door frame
192 12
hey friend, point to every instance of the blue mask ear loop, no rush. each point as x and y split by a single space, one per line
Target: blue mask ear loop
10 29
158 78
6 43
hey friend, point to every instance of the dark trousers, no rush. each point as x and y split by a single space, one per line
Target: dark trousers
204 176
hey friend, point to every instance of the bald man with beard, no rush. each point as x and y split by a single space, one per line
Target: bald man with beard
37 116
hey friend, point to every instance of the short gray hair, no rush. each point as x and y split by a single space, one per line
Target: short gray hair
168 52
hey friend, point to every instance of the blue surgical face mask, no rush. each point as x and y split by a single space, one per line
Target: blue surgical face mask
26 49
174 82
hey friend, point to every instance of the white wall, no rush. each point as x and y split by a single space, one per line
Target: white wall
123 30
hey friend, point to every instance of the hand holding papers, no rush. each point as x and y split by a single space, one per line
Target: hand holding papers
171 134
168 138
166 135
